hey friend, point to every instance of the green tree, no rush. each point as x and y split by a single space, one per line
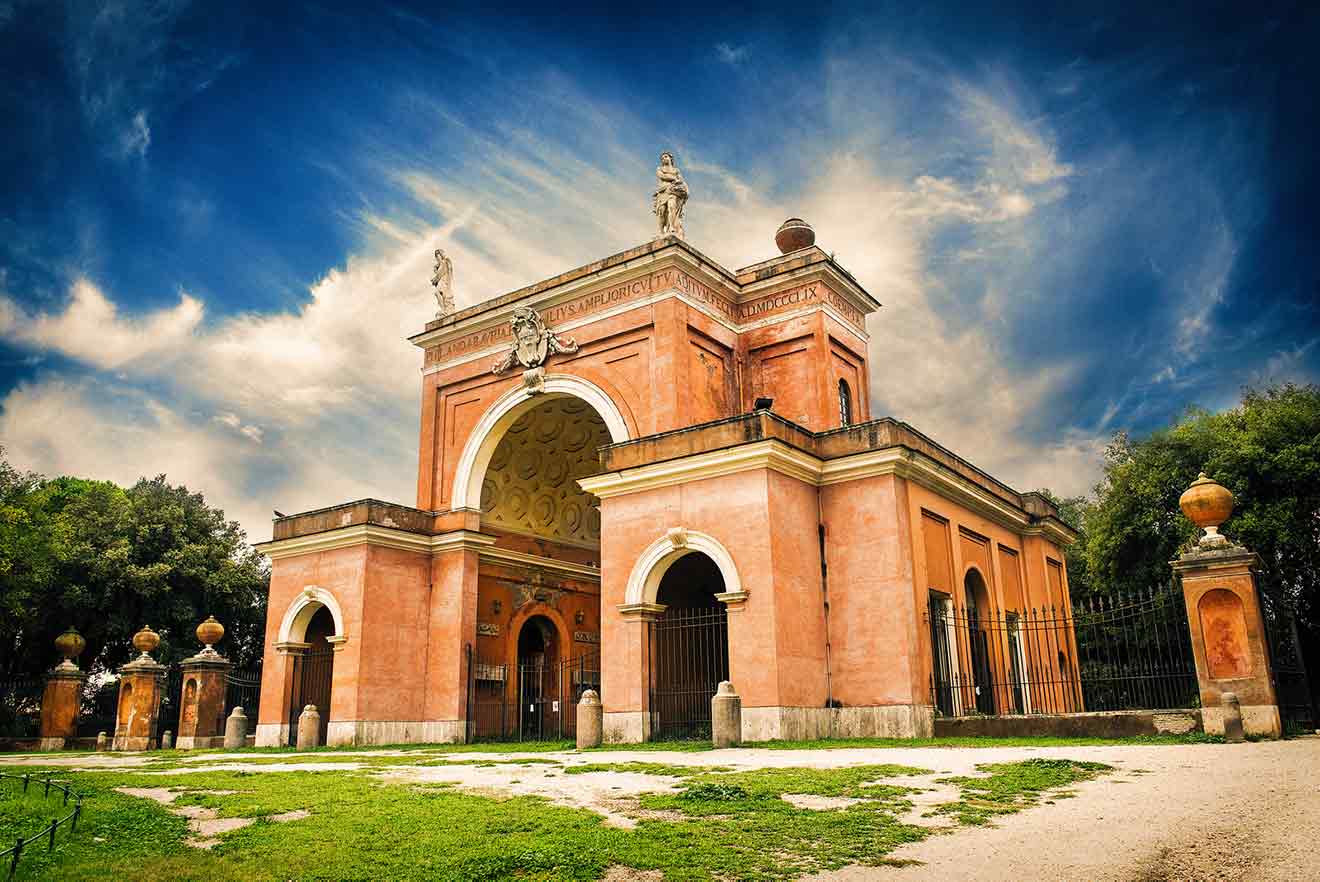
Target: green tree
1266 450
107 560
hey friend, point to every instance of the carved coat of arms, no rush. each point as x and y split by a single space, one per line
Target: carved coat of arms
533 342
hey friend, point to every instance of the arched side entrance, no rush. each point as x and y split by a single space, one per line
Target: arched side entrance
538 678
311 628
689 647
977 600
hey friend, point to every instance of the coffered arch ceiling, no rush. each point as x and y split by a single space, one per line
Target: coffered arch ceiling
531 486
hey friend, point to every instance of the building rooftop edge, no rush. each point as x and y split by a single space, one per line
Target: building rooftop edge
753 273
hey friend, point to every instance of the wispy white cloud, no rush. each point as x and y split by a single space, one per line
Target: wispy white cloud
314 405
731 54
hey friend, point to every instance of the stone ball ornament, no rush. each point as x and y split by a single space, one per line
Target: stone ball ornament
210 632
1207 503
794 234
146 641
70 645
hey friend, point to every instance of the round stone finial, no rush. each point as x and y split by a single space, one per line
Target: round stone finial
146 641
210 631
70 644
794 234
1207 503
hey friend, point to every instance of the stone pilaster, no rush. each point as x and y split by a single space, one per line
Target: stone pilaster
1228 636
60 706
202 705
140 685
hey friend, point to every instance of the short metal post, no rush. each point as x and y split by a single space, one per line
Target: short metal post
51 846
47 794
73 822
18 850
25 782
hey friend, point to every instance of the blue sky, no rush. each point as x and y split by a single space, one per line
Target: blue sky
216 221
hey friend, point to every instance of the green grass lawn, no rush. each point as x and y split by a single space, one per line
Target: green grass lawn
720 824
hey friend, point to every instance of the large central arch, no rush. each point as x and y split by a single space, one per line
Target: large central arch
486 435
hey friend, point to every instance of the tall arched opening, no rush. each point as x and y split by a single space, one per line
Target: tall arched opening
313 670
977 600
538 589
689 648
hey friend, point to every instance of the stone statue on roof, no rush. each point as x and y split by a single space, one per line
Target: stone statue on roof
443 283
671 195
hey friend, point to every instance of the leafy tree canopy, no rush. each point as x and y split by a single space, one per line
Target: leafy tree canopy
1266 451
107 560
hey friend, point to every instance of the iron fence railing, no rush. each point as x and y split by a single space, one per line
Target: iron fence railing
1126 651
530 701
15 851
689 658
1292 685
243 689
20 708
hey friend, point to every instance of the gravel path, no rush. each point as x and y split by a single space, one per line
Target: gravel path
1211 813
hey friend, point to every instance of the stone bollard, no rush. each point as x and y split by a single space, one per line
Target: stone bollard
726 716
167 740
102 740
236 729
590 720
1233 731
309 727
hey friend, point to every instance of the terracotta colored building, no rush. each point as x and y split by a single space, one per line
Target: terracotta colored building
646 475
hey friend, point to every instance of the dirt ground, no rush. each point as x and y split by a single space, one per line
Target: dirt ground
1210 813
1191 812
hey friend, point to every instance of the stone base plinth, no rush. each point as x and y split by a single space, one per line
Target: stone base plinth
133 742
199 742
272 734
1258 720
797 723
362 732
812 723
44 744
627 727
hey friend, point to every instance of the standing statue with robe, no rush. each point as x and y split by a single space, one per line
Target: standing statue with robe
443 283
671 195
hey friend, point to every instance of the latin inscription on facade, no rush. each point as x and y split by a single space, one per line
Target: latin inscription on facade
586 637
488 629
639 289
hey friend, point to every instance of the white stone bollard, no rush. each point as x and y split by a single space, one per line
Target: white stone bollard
1233 731
102 741
167 740
236 729
590 720
726 716
309 727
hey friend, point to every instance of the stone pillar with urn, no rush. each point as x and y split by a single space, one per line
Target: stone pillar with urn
62 699
202 704
141 682
1224 615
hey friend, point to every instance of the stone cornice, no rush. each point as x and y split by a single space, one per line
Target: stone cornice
775 455
549 564
375 535
1214 560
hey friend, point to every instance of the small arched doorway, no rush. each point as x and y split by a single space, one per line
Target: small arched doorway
977 600
313 673
538 671
689 648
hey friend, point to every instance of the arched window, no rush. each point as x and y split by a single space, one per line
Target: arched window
845 404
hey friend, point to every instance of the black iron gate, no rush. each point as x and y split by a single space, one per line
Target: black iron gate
1292 687
1127 651
243 689
690 656
528 702
312 673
